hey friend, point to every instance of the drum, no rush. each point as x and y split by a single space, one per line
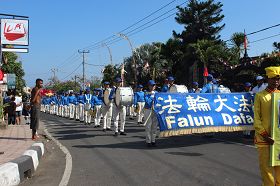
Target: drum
124 96
178 89
106 96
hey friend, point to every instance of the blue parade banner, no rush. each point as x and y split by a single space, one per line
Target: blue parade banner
188 113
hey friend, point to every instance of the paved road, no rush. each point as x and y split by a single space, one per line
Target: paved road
99 158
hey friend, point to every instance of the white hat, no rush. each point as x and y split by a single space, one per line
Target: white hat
259 78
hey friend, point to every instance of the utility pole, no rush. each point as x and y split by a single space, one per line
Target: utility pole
84 78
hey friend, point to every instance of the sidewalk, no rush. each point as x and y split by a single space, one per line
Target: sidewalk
14 141
19 154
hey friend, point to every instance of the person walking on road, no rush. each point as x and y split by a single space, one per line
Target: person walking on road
35 107
151 119
262 124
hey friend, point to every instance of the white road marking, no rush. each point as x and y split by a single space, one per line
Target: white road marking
251 146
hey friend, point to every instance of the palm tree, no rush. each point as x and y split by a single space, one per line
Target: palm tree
237 40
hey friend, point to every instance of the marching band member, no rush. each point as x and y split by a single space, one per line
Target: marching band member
65 105
165 86
88 106
118 111
81 101
262 124
60 105
47 104
97 102
195 88
139 103
260 85
210 87
72 101
151 119
171 81
107 110
77 115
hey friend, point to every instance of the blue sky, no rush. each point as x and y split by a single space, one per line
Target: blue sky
59 28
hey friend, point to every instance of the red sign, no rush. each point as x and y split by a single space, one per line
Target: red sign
14 31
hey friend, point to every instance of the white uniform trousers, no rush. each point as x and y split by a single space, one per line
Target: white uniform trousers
42 108
151 126
77 115
65 111
60 109
51 109
47 108
107 111
97 115
81 111
119 112
87 117
71 111
140 111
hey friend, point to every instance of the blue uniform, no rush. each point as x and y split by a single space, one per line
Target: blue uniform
72 99
149 99
210 88
165 88
97 100
81 99
65 100
139 97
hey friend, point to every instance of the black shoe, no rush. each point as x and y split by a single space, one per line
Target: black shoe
77 119
142 122
153 144
131 118
108 129
139 123
123 133
98 126
148 144
104 130
95 126
116 134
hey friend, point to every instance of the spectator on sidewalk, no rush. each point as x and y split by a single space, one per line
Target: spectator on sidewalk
11 111
26 113
35 107
18 102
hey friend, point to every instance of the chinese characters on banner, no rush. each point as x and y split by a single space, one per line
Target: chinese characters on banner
199 113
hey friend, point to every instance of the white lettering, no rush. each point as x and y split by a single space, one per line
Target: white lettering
227 119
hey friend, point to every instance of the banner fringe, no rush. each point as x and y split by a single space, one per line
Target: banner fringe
180 132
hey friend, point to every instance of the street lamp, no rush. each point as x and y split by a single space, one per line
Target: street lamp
110 53
133 59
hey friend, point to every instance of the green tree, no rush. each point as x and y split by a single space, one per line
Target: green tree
200 20
276 45
12 66
110 72
237 42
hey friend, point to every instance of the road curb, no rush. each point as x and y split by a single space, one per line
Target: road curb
15 171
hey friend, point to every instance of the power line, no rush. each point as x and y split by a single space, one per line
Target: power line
72 72
265 38
141 20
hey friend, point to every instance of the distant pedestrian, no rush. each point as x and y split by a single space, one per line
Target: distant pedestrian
11 111
19 104
35 107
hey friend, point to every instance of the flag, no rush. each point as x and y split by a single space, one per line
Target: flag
205 72
245 41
